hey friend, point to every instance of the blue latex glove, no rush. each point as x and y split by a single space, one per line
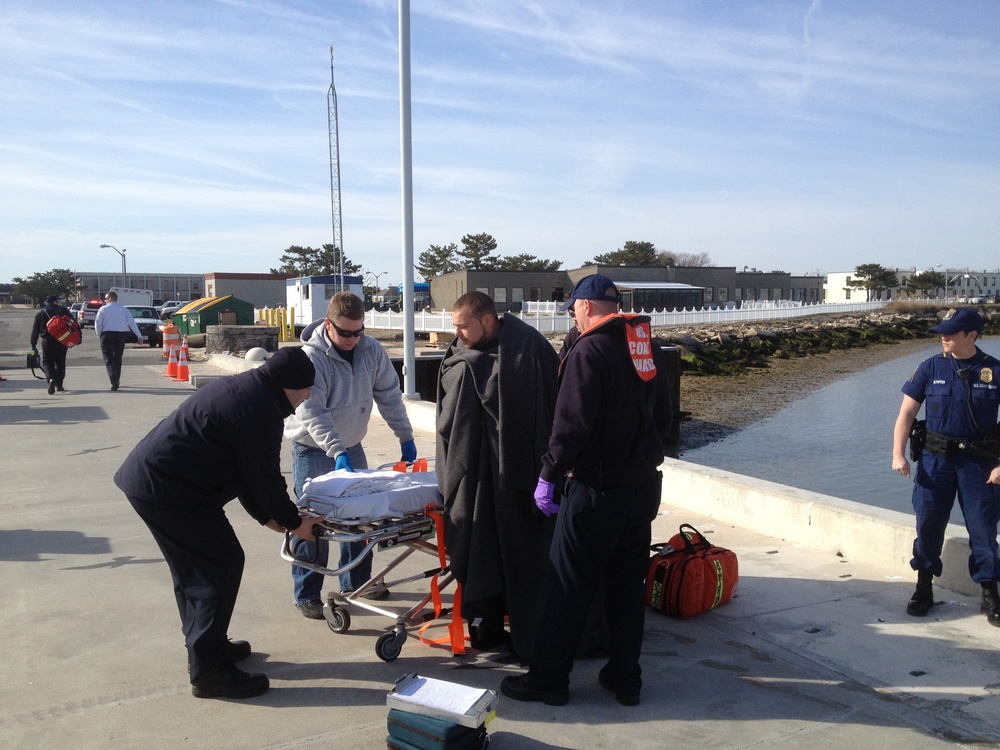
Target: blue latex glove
409 449
544 492
344 462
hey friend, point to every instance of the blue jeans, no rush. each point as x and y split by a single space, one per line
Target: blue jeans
311 462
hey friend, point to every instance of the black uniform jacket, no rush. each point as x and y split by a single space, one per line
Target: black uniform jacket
609 425
223 442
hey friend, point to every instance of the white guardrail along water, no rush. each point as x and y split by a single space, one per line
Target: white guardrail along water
546 319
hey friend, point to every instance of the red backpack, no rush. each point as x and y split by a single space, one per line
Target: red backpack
64 329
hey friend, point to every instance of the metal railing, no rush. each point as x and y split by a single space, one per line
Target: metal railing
556 322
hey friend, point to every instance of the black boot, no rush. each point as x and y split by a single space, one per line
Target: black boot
923 598
991 603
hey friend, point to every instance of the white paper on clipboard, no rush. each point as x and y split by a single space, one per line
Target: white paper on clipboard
464 705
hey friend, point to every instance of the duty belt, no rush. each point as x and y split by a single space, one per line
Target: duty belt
946 447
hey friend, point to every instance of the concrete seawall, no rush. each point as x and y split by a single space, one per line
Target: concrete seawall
861 533
882 539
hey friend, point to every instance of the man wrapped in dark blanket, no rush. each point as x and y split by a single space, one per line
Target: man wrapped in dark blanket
496 394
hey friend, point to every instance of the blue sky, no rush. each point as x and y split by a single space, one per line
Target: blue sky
796 136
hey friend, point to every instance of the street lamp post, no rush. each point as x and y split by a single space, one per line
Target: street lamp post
121 253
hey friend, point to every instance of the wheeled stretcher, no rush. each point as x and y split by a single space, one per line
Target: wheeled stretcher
388 509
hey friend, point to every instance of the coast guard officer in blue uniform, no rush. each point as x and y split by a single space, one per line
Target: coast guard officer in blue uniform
959 455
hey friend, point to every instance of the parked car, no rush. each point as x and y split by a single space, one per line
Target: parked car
150 325
168 308
75 309
88 312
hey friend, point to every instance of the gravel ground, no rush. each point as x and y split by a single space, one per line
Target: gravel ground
715 406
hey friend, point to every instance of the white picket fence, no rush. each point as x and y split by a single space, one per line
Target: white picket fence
556 322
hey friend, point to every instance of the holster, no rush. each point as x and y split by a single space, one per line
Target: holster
918 438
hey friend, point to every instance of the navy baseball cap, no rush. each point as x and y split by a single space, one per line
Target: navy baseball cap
51 298
595 286
963 319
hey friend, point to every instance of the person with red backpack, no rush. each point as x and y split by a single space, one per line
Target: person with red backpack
53 350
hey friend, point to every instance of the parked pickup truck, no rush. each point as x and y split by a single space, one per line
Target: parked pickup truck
168 308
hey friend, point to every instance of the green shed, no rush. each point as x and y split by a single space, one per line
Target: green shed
213 311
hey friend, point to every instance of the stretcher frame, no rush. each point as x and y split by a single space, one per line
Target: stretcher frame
410 533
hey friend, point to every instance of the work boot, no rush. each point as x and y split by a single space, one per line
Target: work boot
226 681
923 598
991 603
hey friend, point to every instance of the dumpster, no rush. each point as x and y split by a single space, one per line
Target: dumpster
196 316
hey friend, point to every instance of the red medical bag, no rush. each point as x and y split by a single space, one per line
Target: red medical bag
688 575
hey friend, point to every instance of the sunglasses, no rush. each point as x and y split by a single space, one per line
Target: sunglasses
346 334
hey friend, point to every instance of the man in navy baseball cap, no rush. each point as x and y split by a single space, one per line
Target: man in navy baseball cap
962 320
594 286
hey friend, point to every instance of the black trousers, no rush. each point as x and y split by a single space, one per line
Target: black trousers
597 533
206 562
54 360
112 347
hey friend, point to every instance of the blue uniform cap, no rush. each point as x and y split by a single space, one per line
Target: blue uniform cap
595 286
963 319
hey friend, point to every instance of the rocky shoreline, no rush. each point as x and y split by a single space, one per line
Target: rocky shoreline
715 406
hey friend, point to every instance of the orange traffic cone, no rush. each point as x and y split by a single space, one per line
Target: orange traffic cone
171 364
184 347
182 366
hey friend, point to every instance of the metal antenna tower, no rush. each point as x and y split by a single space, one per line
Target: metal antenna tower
338 230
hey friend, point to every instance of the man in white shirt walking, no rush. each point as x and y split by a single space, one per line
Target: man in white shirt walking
113 321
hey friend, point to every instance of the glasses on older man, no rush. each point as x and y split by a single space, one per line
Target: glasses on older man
346 334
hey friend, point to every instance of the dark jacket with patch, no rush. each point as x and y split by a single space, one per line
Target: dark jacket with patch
609 425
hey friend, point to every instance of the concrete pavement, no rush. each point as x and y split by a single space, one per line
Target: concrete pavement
815 651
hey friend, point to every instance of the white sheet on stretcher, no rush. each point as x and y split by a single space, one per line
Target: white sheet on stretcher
369 494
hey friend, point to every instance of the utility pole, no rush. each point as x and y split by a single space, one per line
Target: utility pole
338 230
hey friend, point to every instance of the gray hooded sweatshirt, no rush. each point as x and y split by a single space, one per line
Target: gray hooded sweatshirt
335 416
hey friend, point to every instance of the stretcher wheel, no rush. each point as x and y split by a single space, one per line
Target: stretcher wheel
388 645
339 620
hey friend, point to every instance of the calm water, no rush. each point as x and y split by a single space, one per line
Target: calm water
837 441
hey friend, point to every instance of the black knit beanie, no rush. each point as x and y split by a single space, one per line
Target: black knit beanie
290 368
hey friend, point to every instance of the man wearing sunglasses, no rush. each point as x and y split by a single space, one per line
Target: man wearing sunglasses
353 372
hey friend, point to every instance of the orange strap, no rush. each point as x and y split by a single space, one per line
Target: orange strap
456 628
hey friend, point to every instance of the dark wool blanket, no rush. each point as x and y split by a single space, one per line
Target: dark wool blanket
494 415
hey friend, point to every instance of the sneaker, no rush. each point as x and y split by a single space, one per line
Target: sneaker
60 389
518 688
312 609
114 387
52 387
226 681
623 697
377 593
